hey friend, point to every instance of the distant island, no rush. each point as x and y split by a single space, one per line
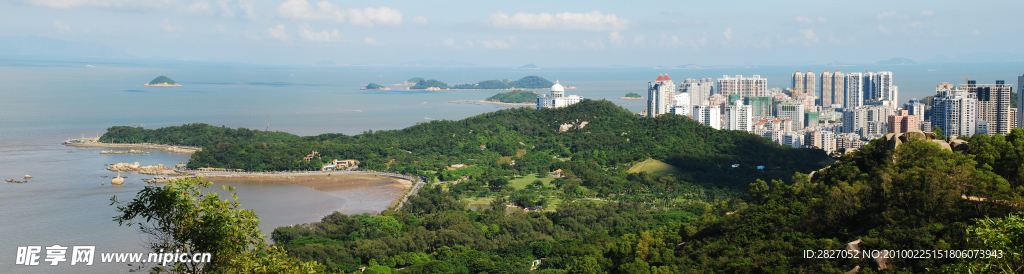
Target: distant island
529 66
528 82
429 84
514 97
376 87
163 81
632 96
839 64
897 61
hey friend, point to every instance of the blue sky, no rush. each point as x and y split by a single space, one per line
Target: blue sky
513 33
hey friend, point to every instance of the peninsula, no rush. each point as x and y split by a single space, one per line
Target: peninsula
163 81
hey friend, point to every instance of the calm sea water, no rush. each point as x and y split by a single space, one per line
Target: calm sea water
44 102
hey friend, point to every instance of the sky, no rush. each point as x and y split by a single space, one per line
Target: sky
514 33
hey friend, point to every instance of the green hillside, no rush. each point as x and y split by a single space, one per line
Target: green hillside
529 82
515 97
429 83
162 80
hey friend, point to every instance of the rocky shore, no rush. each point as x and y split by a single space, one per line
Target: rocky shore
148 170
94 142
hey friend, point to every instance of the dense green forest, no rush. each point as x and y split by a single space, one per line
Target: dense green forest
530 82
415 80
916 197
633 95
374 86
429 83
162 80
602 135
515 96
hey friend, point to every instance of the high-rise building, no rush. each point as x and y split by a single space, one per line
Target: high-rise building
699 90
955 112
659 96
878 86
557 98
1020 102
916 108
681 104
993 104
744 87
869 121
708 115
902 122
760 106
853 90
810 119
824 140
803 83
793 110
737 116
832 85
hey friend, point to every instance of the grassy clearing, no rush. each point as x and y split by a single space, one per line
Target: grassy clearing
654 167
521 183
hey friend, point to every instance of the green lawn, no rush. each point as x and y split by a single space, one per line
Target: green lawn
654 167
521 183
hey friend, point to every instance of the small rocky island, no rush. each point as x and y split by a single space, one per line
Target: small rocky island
632 96
163 81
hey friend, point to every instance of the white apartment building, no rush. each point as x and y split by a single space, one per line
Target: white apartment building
853 91
659 96
681 104
792 110
700 90
557 98
832 86
737 116
708 115
803 83
744 87
955 113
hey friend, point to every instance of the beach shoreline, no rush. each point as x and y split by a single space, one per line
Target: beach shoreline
321 181
94 142
492 102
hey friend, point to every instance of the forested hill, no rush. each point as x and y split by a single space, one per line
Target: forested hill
596 133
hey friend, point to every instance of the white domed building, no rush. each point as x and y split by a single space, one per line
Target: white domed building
557 98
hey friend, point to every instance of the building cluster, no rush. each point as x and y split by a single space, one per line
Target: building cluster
557 98
834 110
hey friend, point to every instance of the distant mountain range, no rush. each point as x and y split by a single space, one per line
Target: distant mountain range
897 61
45 46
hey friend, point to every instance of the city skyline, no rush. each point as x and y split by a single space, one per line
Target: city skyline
514 34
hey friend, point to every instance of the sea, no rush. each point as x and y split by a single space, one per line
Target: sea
67 202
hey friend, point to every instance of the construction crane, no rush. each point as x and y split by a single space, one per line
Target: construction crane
968 79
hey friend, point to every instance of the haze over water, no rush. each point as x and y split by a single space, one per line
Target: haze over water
43 103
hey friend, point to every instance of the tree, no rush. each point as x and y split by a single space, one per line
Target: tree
182 218
938 133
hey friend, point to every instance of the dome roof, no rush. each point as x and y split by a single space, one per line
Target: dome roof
557 87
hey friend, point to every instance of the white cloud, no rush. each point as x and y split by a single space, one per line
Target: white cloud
369 41
498 43
591 21
278 33
451 43
219 29
808 20
927 12
886 15
727 34
313 36
809 35
105 4
166 26
615 39
595 45
229 7
251 36
302 10
975 32
420 20
62 26
201 7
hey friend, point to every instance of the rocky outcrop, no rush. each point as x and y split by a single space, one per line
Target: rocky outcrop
894 140
150 170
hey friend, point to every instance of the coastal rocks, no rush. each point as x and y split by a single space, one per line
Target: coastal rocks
117 181
894 140
16 181
149 170
28 176
132 151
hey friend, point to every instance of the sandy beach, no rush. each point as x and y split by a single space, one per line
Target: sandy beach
328 182
492 102
168 148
